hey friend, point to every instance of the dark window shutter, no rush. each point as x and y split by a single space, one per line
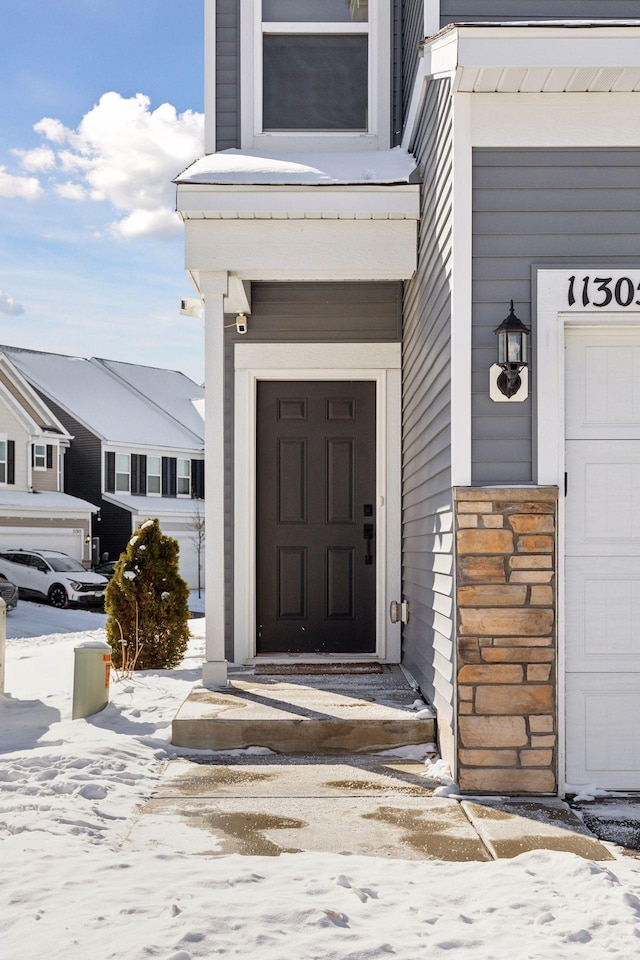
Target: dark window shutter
197 479
11 461
49 456
33 454
169 477
138 474
110 471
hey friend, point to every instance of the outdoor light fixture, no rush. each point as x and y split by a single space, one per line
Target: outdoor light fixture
513 353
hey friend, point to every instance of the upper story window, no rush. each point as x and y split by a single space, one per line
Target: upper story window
123 473
154 476
184 478
3 461
316 71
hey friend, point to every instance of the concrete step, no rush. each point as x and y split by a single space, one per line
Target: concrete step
304 714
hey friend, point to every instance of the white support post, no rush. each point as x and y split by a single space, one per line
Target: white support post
213 289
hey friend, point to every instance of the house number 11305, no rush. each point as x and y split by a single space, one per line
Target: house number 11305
603 291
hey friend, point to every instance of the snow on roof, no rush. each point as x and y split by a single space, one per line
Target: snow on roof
309 168
156 506
172 391
102 401
43 500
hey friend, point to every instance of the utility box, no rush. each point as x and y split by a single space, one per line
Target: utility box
92 670
3 637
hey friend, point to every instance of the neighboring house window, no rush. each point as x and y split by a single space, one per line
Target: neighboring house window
318 68
40 456
184 478
123 473
7 460
154 476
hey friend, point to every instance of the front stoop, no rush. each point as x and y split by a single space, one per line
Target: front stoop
306 714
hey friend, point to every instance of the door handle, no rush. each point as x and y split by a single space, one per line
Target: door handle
367 532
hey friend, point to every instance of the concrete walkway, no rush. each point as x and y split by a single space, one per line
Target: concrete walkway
360 804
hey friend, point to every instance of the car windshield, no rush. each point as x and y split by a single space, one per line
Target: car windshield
65 565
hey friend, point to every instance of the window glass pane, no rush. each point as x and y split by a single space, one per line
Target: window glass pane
122 462
122 482
308 11
3 472
153 484
315 82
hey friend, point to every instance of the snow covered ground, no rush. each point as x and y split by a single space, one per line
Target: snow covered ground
71 886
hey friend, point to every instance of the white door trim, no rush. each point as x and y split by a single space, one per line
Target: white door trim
554 314
379 362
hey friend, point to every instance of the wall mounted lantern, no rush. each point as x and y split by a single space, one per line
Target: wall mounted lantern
513 356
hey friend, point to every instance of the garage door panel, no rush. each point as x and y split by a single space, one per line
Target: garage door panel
602 614
603 498
604 373
603 730
62 539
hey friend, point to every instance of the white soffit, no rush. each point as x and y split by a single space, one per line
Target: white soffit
575 57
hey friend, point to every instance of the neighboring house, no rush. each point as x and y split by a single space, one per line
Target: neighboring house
34 509
356 431
137 449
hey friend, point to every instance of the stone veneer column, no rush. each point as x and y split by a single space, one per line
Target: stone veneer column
506 639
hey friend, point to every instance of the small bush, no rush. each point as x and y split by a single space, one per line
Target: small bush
147 604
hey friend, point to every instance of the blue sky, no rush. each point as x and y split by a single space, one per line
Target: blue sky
102 106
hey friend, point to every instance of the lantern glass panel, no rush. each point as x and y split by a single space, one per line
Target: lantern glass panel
502 346
514 347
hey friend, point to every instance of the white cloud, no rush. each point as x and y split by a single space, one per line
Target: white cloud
40 158
127 154
71 191
9 306
27 188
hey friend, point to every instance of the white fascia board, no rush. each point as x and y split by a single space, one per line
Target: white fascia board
224 200
592 48
304 250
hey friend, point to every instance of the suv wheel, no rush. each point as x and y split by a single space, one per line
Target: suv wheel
58 596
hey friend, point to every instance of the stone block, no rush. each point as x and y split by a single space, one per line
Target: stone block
531 562
498 622
469 650
494 521
470 520
523 642
496 700
497 780
532 523
465 693
535 544
531 576
541 724
536 758
479 506
541 596
465 707
481 569
492 595
488 758
519 655
547 740
501 731
490 673
538 672
485 541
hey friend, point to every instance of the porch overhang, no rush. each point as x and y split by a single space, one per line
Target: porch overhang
537 57
301 217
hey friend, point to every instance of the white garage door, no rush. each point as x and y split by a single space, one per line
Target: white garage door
189 558
67 540
602 549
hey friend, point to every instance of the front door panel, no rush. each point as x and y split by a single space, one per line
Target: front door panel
316 566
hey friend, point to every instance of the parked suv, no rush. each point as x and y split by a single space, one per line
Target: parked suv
56 576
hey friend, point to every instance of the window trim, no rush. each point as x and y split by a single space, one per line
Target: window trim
378 29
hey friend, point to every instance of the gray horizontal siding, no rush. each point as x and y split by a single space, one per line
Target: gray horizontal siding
474 11
427 544
536 206
227 74
324 312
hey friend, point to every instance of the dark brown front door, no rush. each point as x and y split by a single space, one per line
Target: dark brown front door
316 547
